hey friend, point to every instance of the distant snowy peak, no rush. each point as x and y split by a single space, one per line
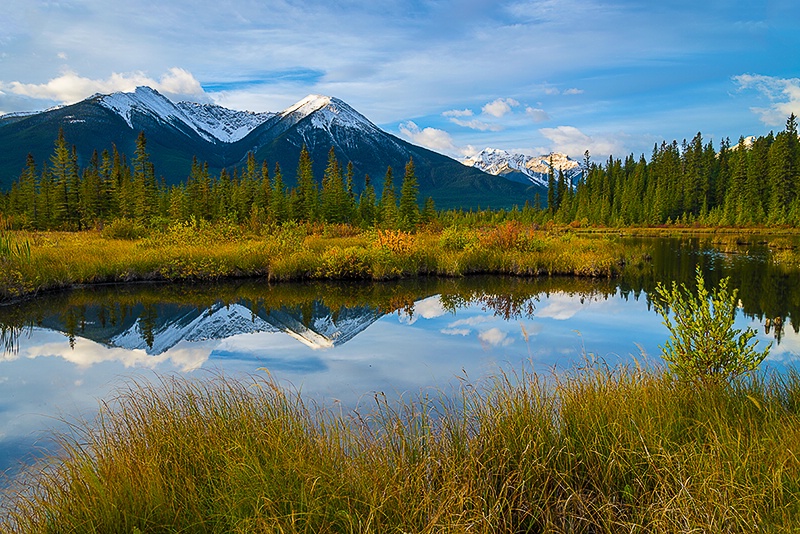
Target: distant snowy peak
559 161
497 162
535 168
224 124
326 111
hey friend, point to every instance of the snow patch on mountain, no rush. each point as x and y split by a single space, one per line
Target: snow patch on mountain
211 122
536 168
147 101
326 112
218 322
226 125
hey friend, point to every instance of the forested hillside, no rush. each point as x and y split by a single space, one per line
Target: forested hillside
753 182
60 195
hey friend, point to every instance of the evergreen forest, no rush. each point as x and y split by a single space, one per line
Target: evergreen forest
754 182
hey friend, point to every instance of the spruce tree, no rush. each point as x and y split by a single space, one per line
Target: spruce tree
332 199
366 204
279 204
387 208
551 188
409 203
307 193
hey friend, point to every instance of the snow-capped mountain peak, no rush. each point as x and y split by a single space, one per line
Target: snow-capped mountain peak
307 106
326 111
209 121
143 100
521 167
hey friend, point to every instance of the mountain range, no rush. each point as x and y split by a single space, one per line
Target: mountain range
222 137
157 328
525 169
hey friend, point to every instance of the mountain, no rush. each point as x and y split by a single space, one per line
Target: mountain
222 137
157 328
525 169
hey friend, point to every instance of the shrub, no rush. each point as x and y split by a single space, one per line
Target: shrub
704 347
453 238
395 241
124 229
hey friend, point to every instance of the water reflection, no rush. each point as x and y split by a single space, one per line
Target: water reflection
343 342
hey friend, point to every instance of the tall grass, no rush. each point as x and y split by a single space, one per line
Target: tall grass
598 450
200 251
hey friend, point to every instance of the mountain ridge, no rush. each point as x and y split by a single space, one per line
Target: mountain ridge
222 138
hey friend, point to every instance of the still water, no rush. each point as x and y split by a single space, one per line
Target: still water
63 354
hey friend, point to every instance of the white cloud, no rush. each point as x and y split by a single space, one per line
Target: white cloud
70 87
432 138
458 113
537 114
495 337
574 142
476 124
469 151
499 107
429 308
86 353
573 91
783 94
560 308
455 331
472 321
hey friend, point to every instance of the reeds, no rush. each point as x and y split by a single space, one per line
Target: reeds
597 450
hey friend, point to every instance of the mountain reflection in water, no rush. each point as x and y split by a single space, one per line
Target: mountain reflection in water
341 342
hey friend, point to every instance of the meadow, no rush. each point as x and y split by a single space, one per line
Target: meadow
33 262
593 449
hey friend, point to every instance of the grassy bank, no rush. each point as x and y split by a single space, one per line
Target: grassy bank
597 451
35 262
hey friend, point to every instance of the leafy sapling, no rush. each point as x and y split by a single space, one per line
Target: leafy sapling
704 347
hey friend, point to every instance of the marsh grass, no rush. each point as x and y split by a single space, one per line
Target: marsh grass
596 450
197 251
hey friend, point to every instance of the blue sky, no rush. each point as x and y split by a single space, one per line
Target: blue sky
611 77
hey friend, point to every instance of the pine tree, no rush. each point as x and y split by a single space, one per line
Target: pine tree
409 202
333 204
387 207
279 204
367 211
63 168
28 195
307 194
144 182
551 188
782 173
428 211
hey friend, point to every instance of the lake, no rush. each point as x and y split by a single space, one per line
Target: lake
341 343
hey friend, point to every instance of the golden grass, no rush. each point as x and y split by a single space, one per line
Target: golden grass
597 450
196 252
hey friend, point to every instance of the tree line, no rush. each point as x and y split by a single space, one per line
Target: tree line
751 183
754 182
62 195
